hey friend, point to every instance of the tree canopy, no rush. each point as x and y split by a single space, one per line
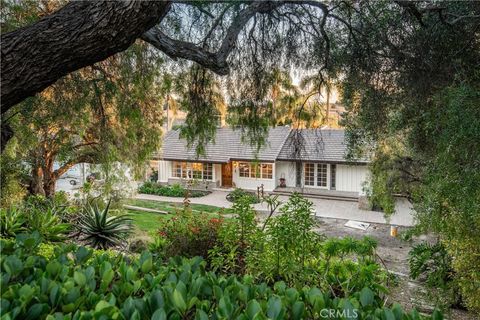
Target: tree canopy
407 71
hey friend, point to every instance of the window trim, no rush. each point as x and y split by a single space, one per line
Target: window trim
255 170
187 170
316 166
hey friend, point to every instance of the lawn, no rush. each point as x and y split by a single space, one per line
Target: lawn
150 221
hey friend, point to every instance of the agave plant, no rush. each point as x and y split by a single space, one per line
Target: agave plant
101 230
12 222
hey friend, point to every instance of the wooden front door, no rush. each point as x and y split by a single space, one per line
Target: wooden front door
227 174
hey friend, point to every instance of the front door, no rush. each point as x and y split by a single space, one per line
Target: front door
227 174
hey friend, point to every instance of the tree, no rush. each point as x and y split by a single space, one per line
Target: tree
411 91
92 115
36 55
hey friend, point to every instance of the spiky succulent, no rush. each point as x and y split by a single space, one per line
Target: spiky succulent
101 230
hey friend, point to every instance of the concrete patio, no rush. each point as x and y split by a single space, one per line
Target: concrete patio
326 208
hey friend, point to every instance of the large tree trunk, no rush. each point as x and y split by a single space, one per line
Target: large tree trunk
36 184
78 35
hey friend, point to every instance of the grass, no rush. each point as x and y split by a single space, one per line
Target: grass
150 221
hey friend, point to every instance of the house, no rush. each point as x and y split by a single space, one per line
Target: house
310 159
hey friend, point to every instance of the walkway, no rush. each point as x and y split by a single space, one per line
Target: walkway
336 209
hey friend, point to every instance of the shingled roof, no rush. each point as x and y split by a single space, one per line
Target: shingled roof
318 145
227 146
283 143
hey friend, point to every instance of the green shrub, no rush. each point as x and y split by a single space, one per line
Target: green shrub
175 190
76 284
12 222
432 265
36 213
239 193
289 250
239 240
188 234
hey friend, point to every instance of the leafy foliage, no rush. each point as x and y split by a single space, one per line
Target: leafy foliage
101 230
433 265
76 284
415 104
175 190
188 234
91 115
239 193
46 216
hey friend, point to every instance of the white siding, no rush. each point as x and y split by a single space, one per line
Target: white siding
351 178
253 183
284 169
164 170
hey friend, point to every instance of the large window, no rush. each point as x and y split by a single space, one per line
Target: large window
309 174
252 170
244 169
322 174
192 170
316 174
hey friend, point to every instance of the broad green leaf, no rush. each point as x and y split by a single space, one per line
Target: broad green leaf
79 278
297 310
159 314
274 307
201 315
178 301
366 297
253 308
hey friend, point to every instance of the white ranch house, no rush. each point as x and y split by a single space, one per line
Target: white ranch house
305 160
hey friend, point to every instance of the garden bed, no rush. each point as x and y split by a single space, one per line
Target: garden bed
238 193
176 190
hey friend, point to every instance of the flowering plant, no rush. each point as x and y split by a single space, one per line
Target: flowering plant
189 234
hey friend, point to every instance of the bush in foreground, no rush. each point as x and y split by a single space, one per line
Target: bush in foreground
74 284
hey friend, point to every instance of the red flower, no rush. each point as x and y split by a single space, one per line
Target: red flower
162 233
216 220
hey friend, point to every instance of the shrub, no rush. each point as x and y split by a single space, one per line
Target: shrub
239 239
188 234
175 190
289 250
432 265
239 193
37 213
12 222
101 230
77 284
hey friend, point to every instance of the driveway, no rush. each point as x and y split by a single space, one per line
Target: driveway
325 208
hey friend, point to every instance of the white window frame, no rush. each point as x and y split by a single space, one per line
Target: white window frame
186 170
255 170
315 175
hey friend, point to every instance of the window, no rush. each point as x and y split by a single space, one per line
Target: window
253 170
333 178
322 174
187 170
177 169
309 174
266 171
207 171
244 169
197 170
